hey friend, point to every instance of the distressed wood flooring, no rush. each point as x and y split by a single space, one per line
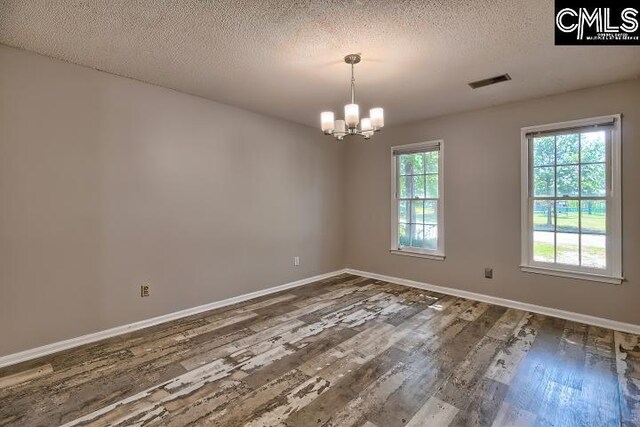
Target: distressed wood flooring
347 351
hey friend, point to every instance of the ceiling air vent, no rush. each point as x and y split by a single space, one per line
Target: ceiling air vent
490 81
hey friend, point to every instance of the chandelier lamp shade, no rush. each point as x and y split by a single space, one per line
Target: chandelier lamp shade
352 123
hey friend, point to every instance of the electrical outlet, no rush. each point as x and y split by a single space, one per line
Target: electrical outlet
144 290
488 273
296 261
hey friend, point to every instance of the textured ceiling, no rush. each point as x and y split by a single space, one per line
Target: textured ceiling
284 58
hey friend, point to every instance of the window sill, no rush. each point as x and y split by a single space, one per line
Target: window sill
572 274
434 256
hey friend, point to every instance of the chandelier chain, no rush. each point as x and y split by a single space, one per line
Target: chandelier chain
353 86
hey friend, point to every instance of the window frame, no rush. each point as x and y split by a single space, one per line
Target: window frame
613 272
434 254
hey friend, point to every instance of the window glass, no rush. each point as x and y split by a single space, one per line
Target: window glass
418 198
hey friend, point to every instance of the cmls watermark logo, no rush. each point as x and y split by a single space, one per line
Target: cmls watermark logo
614 22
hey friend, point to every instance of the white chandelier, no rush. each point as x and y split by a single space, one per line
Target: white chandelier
349 126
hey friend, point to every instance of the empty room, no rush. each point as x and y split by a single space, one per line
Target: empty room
319 213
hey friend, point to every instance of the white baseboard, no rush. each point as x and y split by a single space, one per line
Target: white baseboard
563 314
34 353
55 347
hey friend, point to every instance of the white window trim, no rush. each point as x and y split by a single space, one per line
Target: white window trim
613 273
437 254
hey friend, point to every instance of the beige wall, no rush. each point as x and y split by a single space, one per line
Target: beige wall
107 183
482 175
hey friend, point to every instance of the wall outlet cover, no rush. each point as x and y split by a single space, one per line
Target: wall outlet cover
144 291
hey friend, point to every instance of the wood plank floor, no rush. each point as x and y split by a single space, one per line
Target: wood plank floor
347 351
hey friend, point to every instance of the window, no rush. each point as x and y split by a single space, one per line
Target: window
571 217
416 193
